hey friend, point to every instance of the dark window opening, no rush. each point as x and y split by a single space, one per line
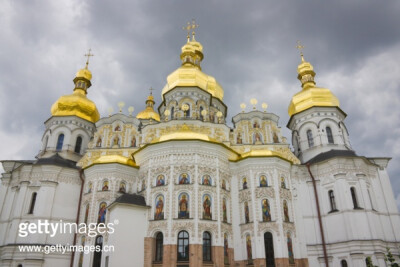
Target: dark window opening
60 142
78 145
206 246
332 200
329 135
354 197
159 247
33 202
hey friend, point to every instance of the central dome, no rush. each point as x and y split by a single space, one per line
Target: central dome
190 74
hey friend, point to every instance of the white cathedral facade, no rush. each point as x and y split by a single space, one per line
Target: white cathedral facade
182 188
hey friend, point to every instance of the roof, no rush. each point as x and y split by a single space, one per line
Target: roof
332 154
58 161
131 199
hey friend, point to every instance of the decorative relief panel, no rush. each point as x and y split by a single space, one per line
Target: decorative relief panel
267 227
265 192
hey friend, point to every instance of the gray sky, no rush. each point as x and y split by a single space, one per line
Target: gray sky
249 47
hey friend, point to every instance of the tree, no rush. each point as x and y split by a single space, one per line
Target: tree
369 263
390 260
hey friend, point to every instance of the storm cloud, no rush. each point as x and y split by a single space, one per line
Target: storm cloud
249 47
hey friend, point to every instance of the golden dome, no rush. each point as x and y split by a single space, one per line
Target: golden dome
184 133
84 73
77 104
310 96
108 159
149 113
190 74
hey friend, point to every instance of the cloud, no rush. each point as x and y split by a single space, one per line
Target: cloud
249 48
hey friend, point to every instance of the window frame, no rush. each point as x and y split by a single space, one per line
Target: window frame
185 243
329 135
310 138
60 142
159 245
207 247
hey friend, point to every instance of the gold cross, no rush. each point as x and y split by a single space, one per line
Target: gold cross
194 26
300 47
151 90
187 28
88 55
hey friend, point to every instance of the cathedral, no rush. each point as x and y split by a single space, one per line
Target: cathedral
177 185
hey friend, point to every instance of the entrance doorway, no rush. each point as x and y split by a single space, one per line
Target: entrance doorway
269 249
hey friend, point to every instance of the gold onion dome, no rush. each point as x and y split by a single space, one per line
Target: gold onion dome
184 133
310 96
77 104
190 74
109 159
149 113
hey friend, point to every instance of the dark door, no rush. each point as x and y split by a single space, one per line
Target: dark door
97 253
269 250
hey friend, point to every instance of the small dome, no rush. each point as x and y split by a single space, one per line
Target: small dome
76 104
84 73
149 113
310 96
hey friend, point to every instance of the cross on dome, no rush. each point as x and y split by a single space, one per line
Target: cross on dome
88 55
300 47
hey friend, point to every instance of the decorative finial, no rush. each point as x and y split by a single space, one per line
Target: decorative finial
194 26
121 105
300 47
264 106
88 55
243 106
254 102
110 111
151 90
130 110
187 28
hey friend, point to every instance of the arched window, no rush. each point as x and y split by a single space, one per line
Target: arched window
20 265
33 202
183 246
201 115
332 200
343 263
97 253
354 197
172 113
159 247
206 246
60 142
78 144
329 135
310 138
